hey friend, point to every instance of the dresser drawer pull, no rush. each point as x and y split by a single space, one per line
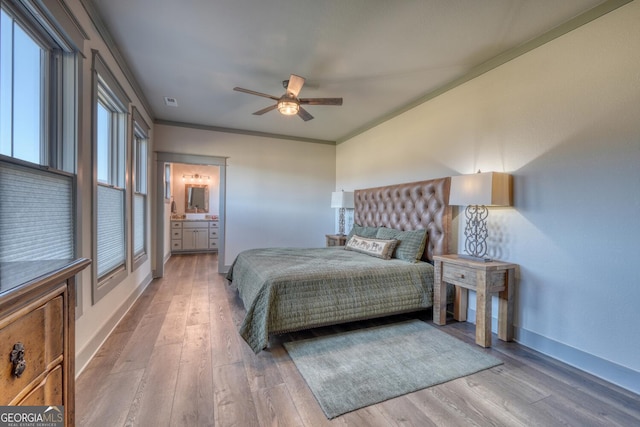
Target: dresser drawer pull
17 359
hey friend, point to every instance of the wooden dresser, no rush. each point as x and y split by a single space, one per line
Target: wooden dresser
37 333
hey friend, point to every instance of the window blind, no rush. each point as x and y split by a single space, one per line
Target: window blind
138 223
36 214
111 244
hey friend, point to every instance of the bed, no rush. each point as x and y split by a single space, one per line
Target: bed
289 289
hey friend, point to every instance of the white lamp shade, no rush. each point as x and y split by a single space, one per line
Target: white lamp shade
488 189
342 199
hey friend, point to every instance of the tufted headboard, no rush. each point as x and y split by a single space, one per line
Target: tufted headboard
410 206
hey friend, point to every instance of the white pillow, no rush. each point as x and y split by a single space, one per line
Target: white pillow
380 248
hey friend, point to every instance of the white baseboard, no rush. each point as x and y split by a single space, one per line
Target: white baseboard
601 368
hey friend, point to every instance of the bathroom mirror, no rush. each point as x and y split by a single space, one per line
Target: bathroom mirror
196 198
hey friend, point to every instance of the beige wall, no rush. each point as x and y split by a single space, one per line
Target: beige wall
278 191
564 119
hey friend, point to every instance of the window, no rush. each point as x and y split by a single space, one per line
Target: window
167 182
38 128
110 147
38 89
22 80
140 188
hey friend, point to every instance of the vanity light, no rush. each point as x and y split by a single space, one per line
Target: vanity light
195 177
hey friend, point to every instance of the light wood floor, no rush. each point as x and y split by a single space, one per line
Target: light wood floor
176 360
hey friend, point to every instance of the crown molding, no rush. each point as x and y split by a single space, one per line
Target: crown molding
243 132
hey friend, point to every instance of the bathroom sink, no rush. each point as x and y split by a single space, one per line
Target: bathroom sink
195 216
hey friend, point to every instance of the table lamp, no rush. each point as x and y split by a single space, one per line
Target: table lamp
476 192
342 200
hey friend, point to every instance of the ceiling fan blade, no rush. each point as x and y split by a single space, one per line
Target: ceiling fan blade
304 114
295 84
265 110
321 101
253 92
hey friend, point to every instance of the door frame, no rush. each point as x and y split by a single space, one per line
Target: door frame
194 159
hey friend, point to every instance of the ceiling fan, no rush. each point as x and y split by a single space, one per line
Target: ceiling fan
289 103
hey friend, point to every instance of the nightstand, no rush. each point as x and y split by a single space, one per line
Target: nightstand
336 240
486 278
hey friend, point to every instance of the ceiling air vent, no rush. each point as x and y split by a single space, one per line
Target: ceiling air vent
170 102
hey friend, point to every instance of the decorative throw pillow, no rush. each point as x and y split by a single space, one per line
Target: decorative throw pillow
359 230
380 248
410 243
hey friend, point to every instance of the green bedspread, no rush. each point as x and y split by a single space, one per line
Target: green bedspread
286 289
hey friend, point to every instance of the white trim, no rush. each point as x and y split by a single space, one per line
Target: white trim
594 365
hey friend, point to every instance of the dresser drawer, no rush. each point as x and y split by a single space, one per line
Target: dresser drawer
41 333
48 392
459 275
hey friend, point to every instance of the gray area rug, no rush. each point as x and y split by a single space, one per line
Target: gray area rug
354 369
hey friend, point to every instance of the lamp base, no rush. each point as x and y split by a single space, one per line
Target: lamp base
475 243
341 222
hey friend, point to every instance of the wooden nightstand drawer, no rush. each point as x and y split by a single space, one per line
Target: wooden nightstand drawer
458 275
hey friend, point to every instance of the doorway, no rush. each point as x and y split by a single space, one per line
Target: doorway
163 205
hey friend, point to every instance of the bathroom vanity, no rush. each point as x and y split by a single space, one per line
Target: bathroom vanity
194 235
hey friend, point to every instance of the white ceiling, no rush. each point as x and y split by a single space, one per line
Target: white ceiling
379 55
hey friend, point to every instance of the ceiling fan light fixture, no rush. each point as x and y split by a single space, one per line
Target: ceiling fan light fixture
289 103
288 107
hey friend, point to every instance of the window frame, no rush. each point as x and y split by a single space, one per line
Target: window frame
108 92
52 27
139 185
